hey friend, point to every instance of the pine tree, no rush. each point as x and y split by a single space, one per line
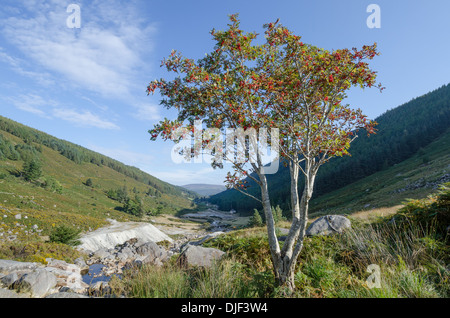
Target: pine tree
256 220
89 182
32 170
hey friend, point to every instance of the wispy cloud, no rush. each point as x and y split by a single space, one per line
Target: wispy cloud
186 176
48 108
105 56
20 67
83 118
132 158
31 103
146 112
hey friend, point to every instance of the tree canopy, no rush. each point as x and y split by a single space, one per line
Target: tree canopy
292 90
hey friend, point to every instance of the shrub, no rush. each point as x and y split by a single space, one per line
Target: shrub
133 206
431 212
52 184
89 182
252 251
32 170
277 214
65 235
256 220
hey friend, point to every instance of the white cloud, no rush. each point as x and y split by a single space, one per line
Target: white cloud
146 112
105 56
16 64
184 176
31 103
84 118
128 157
49 108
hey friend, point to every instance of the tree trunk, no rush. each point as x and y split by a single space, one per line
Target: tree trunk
270 224
293 245
284 260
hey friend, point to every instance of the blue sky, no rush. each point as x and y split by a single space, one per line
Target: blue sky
87 85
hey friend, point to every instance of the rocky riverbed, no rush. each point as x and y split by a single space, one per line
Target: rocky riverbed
110 251
123 246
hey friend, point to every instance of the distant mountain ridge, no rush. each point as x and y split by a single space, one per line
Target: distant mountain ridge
402 132
205 189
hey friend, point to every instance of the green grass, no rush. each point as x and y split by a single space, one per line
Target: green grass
412 255
30 213
223 280
381 188
77 205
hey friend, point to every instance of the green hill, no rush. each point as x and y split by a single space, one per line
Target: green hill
403 132
413 178
77 187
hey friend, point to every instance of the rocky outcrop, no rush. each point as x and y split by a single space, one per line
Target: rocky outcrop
120 232
38 280
194 255
328 224
130 253
68 276
8 266
422 183
38 283
59 279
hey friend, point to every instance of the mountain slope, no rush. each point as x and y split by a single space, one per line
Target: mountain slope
63 195
402 132
413 178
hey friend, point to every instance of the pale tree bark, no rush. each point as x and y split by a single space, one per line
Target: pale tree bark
285 259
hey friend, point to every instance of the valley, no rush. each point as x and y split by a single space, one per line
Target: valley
118 212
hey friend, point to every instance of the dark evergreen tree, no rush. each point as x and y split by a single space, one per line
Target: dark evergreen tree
32 170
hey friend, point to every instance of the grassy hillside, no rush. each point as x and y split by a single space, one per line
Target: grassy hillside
403 132
414 178
411 254
63 194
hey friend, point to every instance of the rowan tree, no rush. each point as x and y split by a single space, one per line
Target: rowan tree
285 84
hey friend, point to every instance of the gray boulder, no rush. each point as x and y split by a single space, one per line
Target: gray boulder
6 293
8 266
9 279
327 225
101 253
39 282
125 253
84 268
67 275
152 252
194 255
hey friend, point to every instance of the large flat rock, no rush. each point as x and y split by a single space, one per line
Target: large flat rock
8 266
119 233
